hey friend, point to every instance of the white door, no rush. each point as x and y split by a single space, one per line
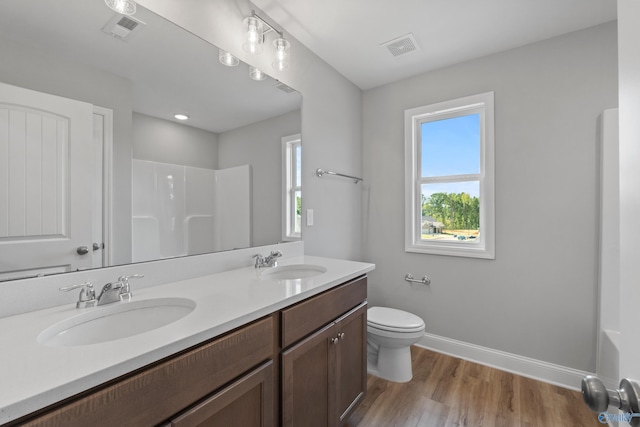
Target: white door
46 162
629 99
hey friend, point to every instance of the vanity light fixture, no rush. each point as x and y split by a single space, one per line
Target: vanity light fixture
124 7
227 59
256 74
254 36
181 116
257 28
282 54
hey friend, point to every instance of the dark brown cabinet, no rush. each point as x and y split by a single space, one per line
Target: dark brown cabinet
324 373
351 361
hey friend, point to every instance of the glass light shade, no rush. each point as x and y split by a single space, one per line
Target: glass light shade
254 36
227 59
125 7
282 54
256 74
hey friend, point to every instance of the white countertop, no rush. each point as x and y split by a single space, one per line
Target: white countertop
33 375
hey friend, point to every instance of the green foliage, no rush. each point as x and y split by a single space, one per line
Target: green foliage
457 211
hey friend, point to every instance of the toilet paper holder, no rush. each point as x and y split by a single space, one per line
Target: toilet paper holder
426 280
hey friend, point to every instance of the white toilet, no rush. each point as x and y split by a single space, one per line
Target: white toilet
390 333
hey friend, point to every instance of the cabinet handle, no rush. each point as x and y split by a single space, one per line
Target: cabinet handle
341 336
334 340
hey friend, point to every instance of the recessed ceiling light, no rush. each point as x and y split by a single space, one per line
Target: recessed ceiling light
181 116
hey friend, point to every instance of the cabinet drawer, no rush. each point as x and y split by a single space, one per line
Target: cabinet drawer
313 313
153 395
248 402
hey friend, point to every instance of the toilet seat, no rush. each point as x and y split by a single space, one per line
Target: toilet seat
392 320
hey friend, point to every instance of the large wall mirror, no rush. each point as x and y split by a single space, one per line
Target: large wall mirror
95 170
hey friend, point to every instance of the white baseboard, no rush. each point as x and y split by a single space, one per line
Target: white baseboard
536 369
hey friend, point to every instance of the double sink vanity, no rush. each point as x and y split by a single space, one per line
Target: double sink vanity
283 345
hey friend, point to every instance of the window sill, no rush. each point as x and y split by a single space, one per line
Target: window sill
452 249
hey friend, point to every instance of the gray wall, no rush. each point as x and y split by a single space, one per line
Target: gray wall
259 145
169 142
538 297
331 120
30 68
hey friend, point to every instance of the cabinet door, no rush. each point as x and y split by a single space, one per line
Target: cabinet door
351 360
308 376
245 403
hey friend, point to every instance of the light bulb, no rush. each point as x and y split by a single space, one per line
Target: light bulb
254 37
282 54
125 7
227 59
256 74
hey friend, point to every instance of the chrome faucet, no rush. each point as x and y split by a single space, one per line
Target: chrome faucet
110 293
270 260
119 290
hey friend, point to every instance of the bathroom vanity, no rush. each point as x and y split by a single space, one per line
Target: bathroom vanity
255 351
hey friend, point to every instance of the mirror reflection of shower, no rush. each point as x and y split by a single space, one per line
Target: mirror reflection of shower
183 210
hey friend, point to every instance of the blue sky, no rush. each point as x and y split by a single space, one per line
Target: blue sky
451 147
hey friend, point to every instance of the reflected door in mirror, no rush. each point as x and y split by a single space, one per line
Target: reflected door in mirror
45 184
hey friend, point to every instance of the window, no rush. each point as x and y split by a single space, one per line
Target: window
449 178
292 187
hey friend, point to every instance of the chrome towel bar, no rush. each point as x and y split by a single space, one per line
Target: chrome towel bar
320 172
426 280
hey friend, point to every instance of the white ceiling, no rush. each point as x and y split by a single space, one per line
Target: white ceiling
347 33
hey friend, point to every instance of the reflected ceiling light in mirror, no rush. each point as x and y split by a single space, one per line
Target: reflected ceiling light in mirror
254 36
256 74
124 7
181 116
282 47
227 59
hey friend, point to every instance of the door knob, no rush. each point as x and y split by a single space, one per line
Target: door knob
82 250
626 398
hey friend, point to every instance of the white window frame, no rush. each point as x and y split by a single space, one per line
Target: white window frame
289 179
484 246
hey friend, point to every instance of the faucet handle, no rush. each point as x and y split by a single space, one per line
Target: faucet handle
125 279
259 260
125 293
87 297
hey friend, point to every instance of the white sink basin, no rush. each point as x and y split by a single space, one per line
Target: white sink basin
292 272
115 321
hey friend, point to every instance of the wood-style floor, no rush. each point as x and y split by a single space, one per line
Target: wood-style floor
446 391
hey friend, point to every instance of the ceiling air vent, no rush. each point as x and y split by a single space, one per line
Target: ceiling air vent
123 27
401 45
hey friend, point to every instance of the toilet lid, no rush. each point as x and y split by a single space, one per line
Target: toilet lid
392 319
